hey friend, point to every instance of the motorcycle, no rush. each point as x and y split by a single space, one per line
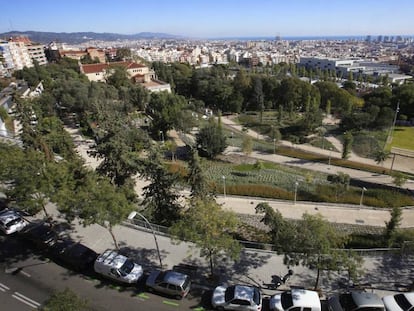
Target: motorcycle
279 280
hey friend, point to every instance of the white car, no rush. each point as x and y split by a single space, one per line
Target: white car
399 302
11 221
237 297
296 299
355 301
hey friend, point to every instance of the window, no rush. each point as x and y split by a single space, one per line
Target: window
403 302
241 302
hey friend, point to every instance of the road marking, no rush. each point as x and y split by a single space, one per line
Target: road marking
170 303
142 295
26 300
3 287
25 273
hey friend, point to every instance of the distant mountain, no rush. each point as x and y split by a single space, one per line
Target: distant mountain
80 37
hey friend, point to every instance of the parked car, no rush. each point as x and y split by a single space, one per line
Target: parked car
237 297
11 221
297 300
117 267
399 302
73 254
354 301
40 234
169 282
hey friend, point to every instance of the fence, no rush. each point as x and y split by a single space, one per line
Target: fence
407 247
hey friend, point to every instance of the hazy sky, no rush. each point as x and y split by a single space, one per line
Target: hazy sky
212 18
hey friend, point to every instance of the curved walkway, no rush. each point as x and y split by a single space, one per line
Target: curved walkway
335 213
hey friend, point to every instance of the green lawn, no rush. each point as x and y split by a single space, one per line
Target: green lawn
403 137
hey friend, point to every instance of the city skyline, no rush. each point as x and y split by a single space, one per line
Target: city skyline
214 19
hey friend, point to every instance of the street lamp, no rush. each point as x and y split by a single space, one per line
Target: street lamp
162 137
329 161
362 195
224 185
132 216
296 192
390 133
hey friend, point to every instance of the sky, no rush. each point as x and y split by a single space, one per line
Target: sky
212 18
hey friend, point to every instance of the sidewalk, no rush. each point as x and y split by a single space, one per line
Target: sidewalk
255 267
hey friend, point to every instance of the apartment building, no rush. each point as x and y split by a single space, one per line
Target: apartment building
37 53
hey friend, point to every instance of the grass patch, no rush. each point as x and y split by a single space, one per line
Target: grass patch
402 138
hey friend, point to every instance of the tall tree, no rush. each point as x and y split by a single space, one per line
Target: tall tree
196 177
210 227
392 225
247 144
210 140
347 145
160 196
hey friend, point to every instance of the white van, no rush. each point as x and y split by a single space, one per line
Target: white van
115 266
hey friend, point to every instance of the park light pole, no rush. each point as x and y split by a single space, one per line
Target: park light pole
224 185
391 132
362 195
132 216
329 160
162 137
296 192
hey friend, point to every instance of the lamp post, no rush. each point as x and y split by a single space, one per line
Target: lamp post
224 185
390 133
329 160
362 195
274 145
162 137
132 216
296 192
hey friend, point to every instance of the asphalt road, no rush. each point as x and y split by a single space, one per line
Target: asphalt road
37 277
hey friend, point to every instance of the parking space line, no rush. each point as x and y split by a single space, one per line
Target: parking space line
3 287
170 303
25 273
26 300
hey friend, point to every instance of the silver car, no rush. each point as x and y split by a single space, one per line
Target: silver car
399 302
237 297
169 282
355 301
11 221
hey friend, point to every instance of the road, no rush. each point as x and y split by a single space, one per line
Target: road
38 277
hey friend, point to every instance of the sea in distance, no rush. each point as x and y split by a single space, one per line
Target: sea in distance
304 38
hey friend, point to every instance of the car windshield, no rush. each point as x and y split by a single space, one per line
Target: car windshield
403 302
256 296
127 267
286 300
229 294
347 302
12 222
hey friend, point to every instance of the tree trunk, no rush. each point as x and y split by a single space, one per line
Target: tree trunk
113 237
317 279
211 263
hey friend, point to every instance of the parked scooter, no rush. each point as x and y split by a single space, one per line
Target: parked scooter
279 280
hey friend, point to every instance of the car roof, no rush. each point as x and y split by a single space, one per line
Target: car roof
111 258
243 292
8 215
305 298
174 277
364 299
398 302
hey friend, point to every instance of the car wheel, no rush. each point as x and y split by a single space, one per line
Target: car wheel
178 297
150 289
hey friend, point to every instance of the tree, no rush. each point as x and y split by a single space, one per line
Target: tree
119 144
399 179
341 182
65 300
328 107
312 242
196 177
118 77
210 227
392 225
96 201
171 146
381 155
347 145
160 197
320 246
210 140
247 144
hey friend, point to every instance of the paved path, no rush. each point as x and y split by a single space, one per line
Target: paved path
402 164
332 212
